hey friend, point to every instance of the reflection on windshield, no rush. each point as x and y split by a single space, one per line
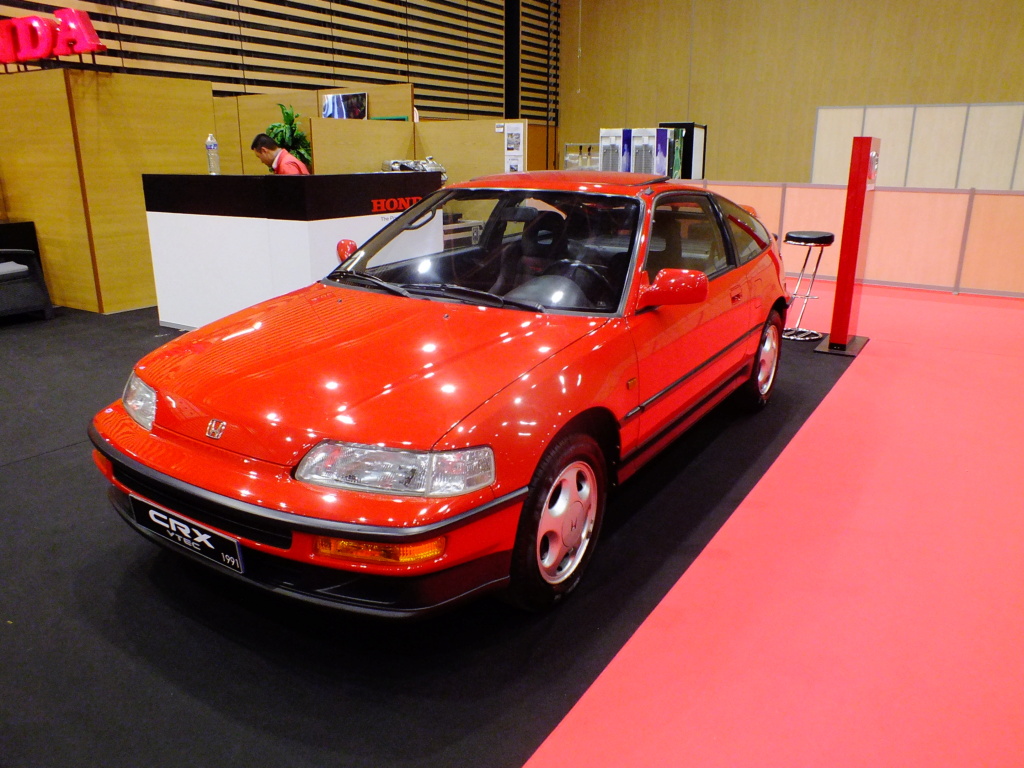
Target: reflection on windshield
542 250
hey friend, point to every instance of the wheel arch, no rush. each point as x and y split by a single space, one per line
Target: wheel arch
781 307
600 424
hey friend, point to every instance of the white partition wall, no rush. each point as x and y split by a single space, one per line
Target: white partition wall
893 125
944 146
991 144
833 140
935 147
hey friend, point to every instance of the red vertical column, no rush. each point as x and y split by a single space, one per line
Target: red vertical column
842 338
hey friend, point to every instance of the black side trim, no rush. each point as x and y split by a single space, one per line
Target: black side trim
742 372
270 520
687 376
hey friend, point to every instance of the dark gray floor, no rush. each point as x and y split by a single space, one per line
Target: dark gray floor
115 653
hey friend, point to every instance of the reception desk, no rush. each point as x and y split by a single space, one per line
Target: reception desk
223 243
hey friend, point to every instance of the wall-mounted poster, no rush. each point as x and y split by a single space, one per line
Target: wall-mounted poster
348 105
515 147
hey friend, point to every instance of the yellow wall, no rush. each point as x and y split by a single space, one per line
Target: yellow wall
359 146
756 71
126 126
78 175
466 148
41 183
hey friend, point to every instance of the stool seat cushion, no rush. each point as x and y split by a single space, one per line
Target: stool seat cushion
810 237
11 269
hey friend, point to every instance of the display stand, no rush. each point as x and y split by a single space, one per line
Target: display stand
812 239
860 193
222 243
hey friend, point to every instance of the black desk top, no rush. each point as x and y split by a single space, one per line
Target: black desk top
294 198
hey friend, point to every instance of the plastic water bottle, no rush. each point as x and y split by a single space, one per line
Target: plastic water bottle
212 155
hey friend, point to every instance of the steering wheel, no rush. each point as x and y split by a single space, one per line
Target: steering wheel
569 266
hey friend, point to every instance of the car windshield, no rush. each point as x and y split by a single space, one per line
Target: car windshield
535 250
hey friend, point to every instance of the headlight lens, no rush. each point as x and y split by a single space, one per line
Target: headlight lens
408 473
139 401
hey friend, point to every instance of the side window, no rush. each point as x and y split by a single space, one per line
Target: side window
749 236
685 235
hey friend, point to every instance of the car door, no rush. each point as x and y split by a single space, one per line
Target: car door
750 241
687 352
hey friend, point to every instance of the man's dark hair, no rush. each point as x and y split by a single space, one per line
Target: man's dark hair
262 141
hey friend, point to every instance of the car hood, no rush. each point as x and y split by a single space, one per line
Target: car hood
327 362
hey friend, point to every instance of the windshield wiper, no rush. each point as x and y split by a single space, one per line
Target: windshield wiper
365 278
447 290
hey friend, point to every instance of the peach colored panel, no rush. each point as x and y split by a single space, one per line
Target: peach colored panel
994 259
813 208
765 199
915 237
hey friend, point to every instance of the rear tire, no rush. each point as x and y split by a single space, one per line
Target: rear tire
757 390
559 524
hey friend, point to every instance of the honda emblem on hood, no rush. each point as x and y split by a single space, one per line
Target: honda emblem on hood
215 429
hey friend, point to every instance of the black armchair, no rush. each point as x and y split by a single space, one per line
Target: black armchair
22 288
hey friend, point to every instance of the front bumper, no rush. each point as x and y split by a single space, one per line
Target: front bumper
259 532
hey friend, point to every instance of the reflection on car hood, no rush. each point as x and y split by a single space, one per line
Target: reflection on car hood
346 364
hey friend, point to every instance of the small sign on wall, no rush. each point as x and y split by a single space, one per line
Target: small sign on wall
515 147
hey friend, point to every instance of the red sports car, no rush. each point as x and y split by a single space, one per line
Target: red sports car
445 413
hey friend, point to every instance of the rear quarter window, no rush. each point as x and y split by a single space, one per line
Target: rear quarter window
749 237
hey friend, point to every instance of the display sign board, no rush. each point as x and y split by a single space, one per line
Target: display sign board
860 193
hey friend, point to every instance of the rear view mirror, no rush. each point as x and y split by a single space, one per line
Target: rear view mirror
675 286
346 248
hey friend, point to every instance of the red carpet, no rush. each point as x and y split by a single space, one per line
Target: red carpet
864 606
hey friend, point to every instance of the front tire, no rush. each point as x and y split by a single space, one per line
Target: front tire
559 524
757 390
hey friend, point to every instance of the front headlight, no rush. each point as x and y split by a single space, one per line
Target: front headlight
139 401
407 473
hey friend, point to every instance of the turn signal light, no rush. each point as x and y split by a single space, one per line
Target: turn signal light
376 552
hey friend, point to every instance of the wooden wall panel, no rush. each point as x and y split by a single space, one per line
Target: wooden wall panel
453 52
40 183
126 126
229 136
541 146
466 148
991 143
994 261
360 146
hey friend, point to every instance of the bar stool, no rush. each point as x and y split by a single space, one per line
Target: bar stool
812 239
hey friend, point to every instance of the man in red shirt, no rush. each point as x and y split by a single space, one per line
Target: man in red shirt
280 161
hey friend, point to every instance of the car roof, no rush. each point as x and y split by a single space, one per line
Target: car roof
577 181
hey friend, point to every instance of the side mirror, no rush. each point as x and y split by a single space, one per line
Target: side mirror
346 248
674 286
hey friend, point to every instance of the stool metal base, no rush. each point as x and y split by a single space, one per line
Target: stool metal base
801 334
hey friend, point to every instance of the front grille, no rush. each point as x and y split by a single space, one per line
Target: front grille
201 510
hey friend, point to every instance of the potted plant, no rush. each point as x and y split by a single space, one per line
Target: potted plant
288 135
